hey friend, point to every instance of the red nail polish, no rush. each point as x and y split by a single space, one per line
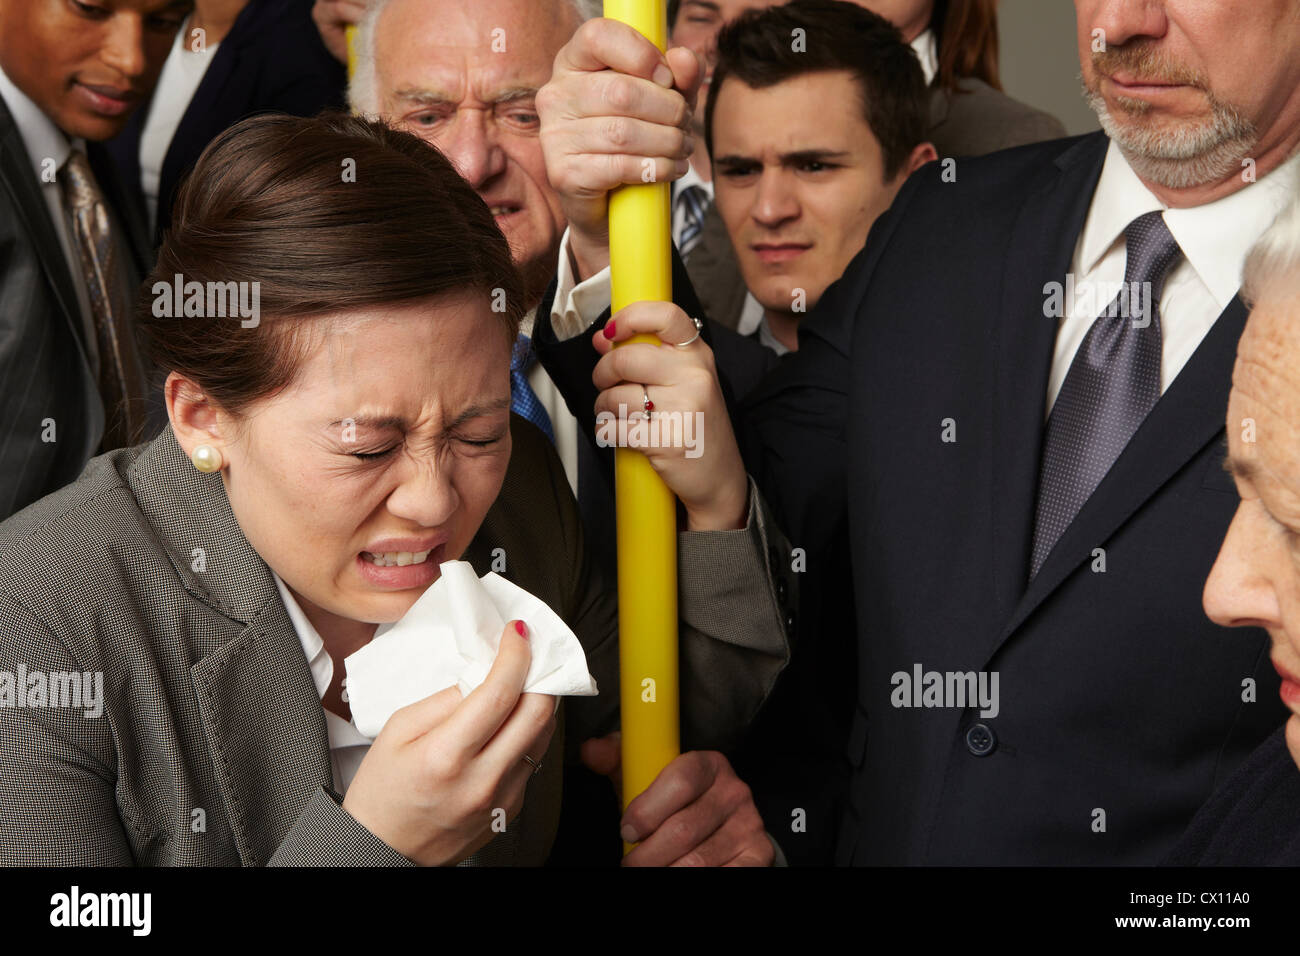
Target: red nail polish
610 329
522 629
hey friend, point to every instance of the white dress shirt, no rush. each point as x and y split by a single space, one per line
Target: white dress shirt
928 53
348 746
181 75
1215 239
45 141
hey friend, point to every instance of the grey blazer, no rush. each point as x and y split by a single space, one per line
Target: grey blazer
211 748
971 122
977 119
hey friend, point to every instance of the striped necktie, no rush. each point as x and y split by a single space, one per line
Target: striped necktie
1112 384
523 400
693 201
122 383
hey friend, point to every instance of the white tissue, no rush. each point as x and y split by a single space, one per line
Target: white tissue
450 636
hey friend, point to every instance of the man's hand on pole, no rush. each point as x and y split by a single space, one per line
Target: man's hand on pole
616 111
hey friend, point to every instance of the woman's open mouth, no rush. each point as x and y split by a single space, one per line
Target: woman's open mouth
396 559
401 570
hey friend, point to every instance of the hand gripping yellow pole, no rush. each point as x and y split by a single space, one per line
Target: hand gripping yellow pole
640 261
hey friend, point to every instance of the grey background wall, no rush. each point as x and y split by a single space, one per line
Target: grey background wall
1040 62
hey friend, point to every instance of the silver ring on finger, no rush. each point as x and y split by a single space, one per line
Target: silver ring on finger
537 767
699 327
647 406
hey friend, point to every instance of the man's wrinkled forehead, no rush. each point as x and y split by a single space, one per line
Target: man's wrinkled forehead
477 50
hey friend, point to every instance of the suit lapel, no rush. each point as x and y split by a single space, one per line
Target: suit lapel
262 718
1188 416
18 180
204 104
1047 229
266 729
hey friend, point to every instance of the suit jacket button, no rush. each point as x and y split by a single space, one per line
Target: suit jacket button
980 740
789 622
780 590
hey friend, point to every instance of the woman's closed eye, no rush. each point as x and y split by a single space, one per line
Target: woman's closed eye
374 455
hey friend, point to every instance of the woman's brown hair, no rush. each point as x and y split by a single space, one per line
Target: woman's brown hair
326 214
966 36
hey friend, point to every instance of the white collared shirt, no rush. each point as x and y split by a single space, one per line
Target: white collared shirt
928 53
45 141
1215 239
348 746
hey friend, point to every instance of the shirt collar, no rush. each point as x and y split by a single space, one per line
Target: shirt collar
341 733
313 646
928 53
43 139
1215 237
527 322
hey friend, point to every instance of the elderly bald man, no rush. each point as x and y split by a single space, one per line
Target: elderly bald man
1254 818
463 77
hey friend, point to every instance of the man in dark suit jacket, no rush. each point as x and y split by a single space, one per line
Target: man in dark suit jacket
65 77
967 117
982 561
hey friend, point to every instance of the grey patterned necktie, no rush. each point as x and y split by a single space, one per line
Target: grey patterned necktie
1113 382
694 202
121 381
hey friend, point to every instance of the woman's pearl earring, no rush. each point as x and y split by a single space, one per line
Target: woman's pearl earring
206 459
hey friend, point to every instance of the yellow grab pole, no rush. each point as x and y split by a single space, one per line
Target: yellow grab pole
640 261
350 32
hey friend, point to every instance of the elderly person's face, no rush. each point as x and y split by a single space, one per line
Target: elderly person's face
1256 578
1194 85
357 520
463 76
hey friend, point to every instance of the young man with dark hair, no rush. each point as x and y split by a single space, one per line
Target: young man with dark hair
815 118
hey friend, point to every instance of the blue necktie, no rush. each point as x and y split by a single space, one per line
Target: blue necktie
695 201
523 400
1113 382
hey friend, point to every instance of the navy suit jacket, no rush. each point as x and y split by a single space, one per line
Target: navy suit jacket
272 60
1121 706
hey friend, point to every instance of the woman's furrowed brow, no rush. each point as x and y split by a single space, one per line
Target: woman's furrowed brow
371 421
474 411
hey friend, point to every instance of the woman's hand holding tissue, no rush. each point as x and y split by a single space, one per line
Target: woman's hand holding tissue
697 812
688 437
431 781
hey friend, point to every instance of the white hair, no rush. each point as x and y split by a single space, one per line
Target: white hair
363 89
1273 263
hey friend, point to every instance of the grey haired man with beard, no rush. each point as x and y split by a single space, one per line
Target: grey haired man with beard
1019 385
